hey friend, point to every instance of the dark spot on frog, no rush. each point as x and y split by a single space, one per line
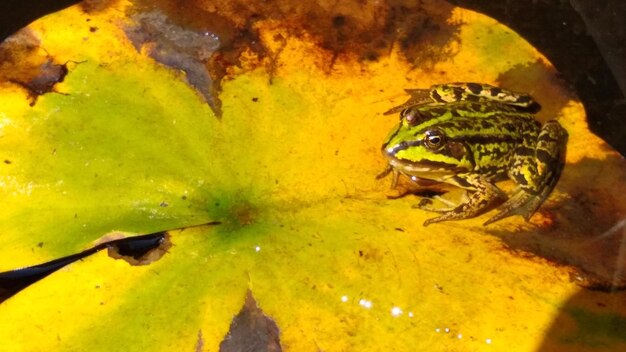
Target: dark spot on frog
7 161
462 182
508 126
434 112
544 156
485 124
458 93
495 91
93 29
456 150
399 229
163 204
255 99
475 105
475 88
436 96
183 197
40 244
472 98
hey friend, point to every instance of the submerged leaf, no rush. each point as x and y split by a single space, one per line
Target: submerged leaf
251 330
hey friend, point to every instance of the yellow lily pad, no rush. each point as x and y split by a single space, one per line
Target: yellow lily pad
287 176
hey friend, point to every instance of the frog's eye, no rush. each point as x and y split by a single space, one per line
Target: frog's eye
403 113
411 116
434 139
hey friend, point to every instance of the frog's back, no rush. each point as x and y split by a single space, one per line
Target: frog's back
491 133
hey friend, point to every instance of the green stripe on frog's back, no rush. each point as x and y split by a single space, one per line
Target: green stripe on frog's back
485 130
469 120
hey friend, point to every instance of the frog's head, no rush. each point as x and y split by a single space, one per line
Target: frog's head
425 151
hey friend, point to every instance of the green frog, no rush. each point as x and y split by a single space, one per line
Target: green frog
472 135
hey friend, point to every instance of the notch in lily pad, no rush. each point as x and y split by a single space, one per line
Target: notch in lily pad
137 250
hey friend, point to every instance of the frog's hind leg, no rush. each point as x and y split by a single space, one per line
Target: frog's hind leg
479 92
540 177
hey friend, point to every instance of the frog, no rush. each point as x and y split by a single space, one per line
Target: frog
473 135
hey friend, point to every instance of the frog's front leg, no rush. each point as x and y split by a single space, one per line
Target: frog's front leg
482 194
535 172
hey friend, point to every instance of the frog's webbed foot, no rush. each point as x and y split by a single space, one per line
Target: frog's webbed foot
476 205
521 203
477 202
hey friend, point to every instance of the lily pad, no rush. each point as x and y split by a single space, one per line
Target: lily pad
127 144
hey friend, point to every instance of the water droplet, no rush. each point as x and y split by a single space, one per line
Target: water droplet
396 311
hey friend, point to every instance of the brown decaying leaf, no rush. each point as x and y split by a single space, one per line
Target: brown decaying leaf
227 28
38 75
251 330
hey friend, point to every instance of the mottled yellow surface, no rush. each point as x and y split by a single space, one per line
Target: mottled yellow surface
289 170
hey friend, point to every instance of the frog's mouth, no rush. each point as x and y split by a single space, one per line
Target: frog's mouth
427 169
